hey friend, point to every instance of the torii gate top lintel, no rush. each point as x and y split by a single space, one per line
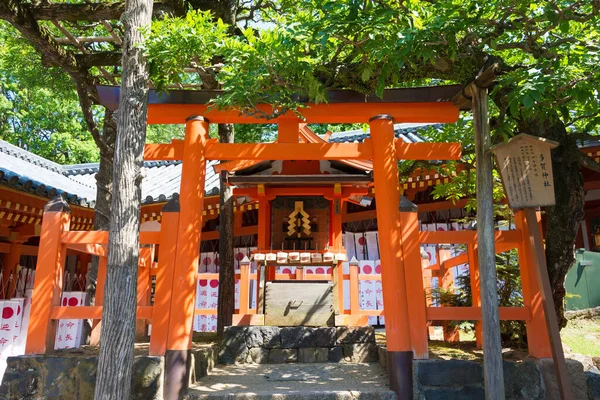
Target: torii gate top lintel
418 105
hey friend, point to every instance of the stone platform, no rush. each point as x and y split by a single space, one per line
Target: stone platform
274 345
71 374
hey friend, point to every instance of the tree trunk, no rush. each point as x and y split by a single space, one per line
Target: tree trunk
102 210
119 313
562 220
226 305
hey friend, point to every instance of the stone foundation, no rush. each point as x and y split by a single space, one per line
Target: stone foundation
274 345
527 380
73 376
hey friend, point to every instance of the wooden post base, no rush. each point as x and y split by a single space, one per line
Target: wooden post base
400 371
177 367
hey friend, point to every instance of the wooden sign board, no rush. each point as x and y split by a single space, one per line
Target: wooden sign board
526 169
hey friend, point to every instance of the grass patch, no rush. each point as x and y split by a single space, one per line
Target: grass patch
582 336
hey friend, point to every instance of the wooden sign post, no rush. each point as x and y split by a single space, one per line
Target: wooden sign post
526 169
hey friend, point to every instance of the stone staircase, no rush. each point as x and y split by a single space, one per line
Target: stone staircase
264 363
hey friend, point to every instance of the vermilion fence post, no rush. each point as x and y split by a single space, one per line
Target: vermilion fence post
244 288
47 287
475 294
164 278
191 198
387 196
415 293
354 288
99 300
538 340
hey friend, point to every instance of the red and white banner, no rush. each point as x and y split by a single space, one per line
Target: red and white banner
69 331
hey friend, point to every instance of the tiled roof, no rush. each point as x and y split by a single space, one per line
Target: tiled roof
27 172
406 132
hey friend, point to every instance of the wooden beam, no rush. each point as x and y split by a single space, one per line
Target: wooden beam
541 270
288 151
474 313
92 312
323 179
463 99
287 130
93 249
468 237
170 151
492 345
442 205
359 216
438 112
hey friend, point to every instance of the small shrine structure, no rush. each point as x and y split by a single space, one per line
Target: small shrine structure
301 184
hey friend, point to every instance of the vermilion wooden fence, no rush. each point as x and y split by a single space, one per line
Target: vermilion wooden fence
56 236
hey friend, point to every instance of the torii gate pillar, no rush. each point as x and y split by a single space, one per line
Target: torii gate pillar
387 196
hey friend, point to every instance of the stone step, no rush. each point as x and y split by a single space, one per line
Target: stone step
294 381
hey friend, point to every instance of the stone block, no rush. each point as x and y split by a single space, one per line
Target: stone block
257 355
271 337
382 352
298 337
449 373
73 376
23 378
147 378
254 337
59 372
281 356
203 361
475 392
313 355
233 349
336 354
593 385
576 376
523 381
360 352
325 337
355 334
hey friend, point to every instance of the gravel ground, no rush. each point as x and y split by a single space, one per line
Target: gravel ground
284 378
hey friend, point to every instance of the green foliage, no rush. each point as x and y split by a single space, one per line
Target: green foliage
39 109
172 44
549 52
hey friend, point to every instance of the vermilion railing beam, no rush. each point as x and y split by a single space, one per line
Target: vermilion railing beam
467 237
474 313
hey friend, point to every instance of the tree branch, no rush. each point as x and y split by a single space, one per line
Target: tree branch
18 14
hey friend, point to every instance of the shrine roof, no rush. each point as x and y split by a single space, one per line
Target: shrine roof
27 172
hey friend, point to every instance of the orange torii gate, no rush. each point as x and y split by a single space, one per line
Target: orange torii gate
179 239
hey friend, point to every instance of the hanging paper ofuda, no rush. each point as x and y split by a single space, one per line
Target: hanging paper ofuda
367 289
